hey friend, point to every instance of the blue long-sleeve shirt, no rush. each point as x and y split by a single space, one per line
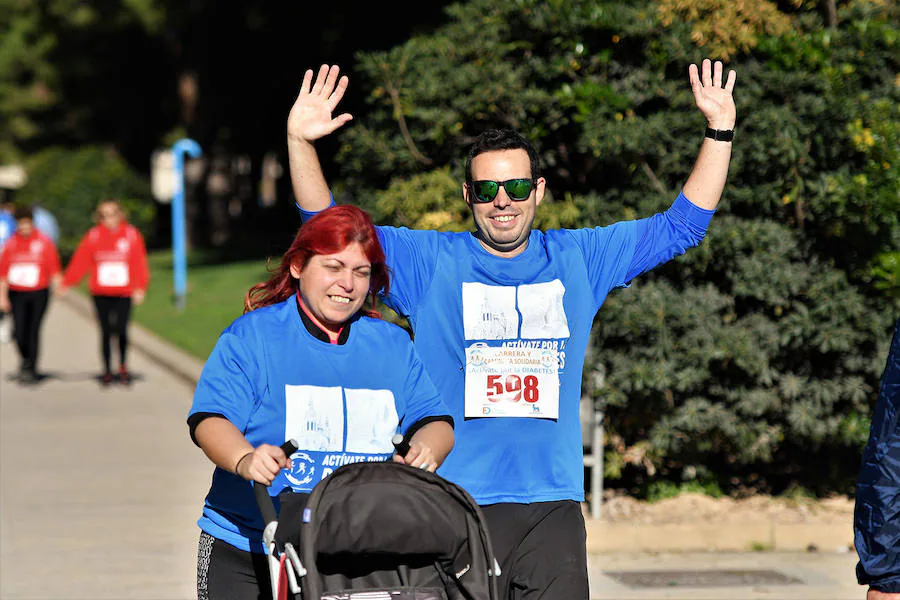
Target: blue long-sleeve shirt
504 339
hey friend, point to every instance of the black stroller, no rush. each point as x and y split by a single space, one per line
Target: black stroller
379 531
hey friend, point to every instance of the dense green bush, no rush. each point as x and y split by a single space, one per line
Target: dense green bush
69 182
752 362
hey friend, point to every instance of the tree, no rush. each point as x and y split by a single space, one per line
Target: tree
70 184
137 75
54 57
26 78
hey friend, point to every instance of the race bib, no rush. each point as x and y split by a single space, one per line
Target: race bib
24 275
512 382
113 274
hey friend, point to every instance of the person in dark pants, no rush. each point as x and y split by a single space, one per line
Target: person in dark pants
113 254
29 263
113 314
359 382
876 517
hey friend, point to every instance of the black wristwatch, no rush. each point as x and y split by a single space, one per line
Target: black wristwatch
720 135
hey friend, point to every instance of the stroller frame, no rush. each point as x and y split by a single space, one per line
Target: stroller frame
293 566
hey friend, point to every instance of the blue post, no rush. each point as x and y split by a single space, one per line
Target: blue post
179 250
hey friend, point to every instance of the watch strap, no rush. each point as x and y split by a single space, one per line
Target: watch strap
720 135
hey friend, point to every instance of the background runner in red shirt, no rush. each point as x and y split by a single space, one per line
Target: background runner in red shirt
29 262
113 253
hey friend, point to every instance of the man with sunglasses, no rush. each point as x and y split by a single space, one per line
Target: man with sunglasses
502 318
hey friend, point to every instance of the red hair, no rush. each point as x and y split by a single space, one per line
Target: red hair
327 232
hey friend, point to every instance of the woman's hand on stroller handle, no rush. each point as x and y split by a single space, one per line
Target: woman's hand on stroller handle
401 444
263 464
414 454
259 488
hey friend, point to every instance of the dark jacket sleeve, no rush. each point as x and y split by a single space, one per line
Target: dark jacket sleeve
876 518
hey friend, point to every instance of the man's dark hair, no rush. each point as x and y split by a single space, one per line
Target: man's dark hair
502 139
23 212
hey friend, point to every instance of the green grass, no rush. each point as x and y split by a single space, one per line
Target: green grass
760 547
663 490
215 298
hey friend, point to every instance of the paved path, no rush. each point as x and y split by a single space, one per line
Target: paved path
100 489
819 576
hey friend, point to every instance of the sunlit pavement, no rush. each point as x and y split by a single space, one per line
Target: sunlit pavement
100 489
820 576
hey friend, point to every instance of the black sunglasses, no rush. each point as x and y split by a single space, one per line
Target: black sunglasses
485 190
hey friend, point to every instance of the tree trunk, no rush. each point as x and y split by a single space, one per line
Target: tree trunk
831 5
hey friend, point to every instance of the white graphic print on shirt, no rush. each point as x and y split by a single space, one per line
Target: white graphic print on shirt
24 275
113 274
489 312
315 417
330 436
371 421
543 315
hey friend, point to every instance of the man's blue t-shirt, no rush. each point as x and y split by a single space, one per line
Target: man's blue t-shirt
275 381
504 339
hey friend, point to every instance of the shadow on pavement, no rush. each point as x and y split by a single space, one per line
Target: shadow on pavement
47 376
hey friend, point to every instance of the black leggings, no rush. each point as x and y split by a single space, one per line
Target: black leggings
227 573
113 313
28 310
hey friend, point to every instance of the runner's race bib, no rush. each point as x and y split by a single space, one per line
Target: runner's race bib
24 275
113 274
512 382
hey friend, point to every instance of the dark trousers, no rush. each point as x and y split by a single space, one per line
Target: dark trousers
227 573
541 548
28 310
113 313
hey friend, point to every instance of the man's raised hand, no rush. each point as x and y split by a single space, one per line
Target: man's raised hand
714 98
310 117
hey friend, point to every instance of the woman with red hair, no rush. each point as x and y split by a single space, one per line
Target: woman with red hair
309 360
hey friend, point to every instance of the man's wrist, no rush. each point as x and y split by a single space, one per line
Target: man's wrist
294 140
721 123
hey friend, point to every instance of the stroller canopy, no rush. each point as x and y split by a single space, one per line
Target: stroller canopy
388 526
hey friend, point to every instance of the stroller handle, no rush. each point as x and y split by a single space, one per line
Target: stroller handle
263 499
401 444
